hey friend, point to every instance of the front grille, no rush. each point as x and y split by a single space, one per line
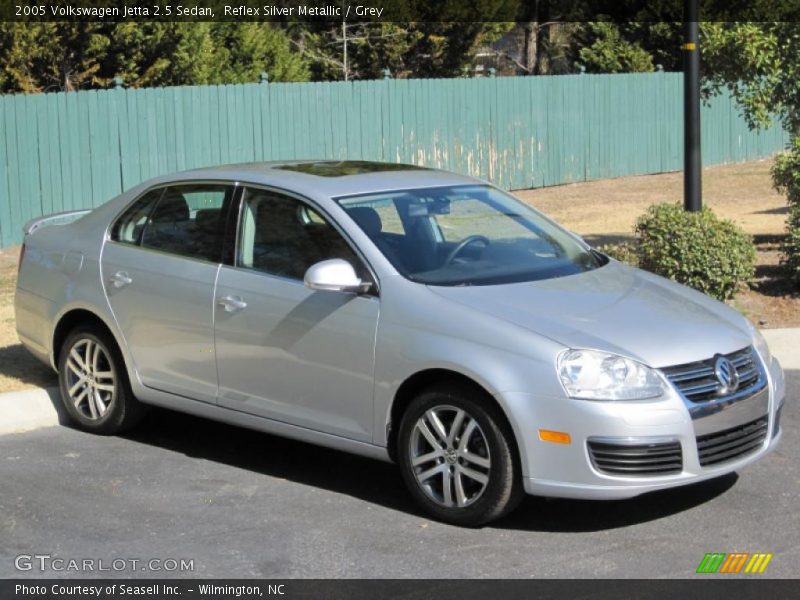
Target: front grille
698 383
662 458
722 446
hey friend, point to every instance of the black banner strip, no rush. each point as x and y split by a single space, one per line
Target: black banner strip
431 11
355 589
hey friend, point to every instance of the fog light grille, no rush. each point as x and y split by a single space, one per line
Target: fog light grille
636 459
722 446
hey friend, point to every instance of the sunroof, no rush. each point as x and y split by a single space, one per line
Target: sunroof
347 167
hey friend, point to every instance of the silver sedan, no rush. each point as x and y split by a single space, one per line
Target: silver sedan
401 313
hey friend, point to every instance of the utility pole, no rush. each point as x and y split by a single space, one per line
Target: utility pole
692 161
344 44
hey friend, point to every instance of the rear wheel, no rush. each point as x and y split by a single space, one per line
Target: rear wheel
94 385
457 457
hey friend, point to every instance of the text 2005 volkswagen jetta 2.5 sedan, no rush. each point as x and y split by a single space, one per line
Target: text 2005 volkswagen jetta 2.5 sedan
401 313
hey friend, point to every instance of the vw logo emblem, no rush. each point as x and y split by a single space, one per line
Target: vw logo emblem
726 374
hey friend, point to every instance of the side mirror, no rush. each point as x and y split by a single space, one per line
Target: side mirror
334 275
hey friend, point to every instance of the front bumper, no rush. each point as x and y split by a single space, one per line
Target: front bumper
567 471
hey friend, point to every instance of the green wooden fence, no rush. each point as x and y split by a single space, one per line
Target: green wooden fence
75 150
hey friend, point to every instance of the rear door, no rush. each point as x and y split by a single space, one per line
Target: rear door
159 271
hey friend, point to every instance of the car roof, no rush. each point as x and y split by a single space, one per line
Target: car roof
326 177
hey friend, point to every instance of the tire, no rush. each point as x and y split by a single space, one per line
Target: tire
94 385
475 456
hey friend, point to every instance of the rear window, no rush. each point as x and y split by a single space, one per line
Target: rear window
187 221
129 226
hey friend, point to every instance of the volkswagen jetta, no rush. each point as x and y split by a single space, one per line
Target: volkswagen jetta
401 313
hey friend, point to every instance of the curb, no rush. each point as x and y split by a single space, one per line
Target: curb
27 410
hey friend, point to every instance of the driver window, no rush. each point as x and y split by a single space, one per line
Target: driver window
282 236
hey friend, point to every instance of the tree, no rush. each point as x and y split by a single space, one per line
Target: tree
441 40
245 50
161 53
445 49
42 57
37 57
370 48
545 33
603 48
760 63
154 54
412 49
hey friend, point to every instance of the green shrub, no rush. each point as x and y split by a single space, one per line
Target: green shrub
697 249
786 179
791 248
623 252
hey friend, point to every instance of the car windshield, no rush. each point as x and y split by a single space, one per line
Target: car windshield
467 235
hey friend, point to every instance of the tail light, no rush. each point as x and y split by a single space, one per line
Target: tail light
21 256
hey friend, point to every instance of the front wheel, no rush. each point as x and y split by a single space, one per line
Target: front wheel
457 457
93 383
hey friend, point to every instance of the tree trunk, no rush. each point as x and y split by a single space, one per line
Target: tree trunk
68 87
530 46
534 53
543 56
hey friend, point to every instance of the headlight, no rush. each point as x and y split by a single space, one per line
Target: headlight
761 345
593 375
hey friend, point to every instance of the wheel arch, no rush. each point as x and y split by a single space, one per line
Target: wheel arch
414 384
70 319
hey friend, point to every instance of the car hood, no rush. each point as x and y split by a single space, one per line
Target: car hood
614 308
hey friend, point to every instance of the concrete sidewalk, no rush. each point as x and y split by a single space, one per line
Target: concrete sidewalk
35 408
785 346
31 409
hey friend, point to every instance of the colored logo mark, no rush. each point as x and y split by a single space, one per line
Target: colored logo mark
735 562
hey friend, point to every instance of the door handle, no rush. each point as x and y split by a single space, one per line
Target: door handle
232 303
120 279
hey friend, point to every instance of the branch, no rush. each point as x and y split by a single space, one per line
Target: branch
339 40
540 26
510 58
325 59
315 56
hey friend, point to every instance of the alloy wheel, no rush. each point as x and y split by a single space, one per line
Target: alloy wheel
91 382
449 455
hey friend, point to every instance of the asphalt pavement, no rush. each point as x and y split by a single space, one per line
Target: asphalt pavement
236 503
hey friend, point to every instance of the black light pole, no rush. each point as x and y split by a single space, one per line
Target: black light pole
691 108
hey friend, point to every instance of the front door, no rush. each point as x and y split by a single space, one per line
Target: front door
283 351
